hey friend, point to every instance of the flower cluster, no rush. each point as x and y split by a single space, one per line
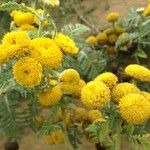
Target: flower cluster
108 36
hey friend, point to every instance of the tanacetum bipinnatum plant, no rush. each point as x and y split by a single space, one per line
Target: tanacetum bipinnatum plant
38 73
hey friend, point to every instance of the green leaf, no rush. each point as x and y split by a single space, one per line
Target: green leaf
74 30
140 53
14 6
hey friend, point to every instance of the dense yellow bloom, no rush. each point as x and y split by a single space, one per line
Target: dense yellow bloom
66 44
55 138
50 97
16 43
27 27
112 39
93 115
91 40
27 72
21 18
69 81
147 11
3 55
122 89
138 72
95 94
109 31
77 91
113 17
108 78
79 114
111 50
134 108
119 30
45 51
102 38
146 95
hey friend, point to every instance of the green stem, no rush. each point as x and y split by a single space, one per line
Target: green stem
41 22
118 138
66 138
137 60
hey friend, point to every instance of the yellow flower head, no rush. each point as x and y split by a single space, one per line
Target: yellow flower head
134 108
16 43
95 94
113 17
138 72
3 55
80 114
147 11
109 31
101 38
55 138
50 97
27 72
69 81
91 40
119 30
27 27
122 89
21 18
77 91
93 115
45 51
108 78
112 39
146 95
66 44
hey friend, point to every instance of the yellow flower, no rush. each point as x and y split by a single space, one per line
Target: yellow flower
138 72
101 38
27 27
134 108
119 30
122 89
69 81
27 72
109 31
91 40
80 114
147 11
108 78
55 138
16 43
113 17
50 97
77 91
95 94
146 95
3 55
21 18
112 39
46 52
66 44
93 115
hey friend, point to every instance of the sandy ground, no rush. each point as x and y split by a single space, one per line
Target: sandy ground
29 140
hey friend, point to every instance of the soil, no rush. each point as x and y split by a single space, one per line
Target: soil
29 140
